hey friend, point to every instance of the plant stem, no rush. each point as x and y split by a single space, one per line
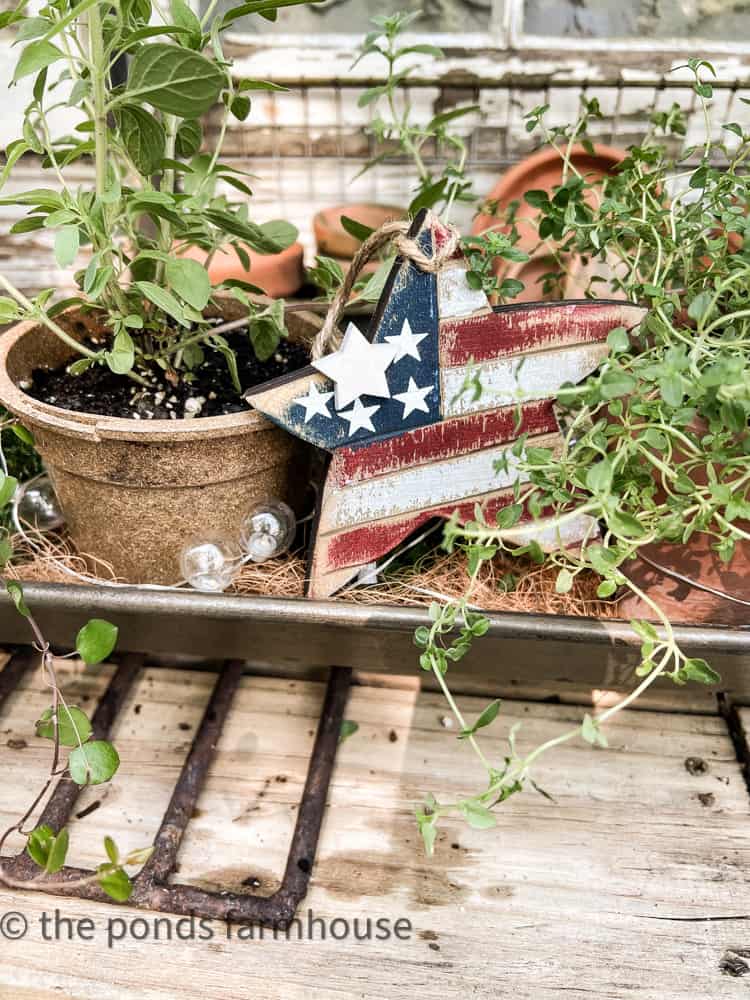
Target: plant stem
99 93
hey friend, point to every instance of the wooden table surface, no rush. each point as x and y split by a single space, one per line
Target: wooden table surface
633 883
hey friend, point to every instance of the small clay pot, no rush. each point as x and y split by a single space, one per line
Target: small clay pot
542 171
134 492
680 599
332 240
668 571
278 274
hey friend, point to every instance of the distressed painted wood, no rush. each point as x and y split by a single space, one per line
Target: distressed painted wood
632 883
437 446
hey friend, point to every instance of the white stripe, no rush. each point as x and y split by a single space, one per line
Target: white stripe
518 379
422 487
455 298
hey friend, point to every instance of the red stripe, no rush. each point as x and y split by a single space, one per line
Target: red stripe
516 331
371 541
448 439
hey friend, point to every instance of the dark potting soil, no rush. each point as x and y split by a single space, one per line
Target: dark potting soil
210 394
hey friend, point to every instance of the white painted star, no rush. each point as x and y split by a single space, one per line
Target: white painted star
357 368
414 398
406 343
315 402
359 417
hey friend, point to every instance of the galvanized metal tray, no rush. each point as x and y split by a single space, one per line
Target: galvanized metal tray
298 636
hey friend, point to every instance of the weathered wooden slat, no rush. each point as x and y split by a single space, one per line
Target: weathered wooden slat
637 856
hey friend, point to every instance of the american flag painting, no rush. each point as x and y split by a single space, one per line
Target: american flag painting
452 383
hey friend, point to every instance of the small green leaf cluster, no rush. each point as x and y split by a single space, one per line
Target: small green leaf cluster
50 849
482 252
132 239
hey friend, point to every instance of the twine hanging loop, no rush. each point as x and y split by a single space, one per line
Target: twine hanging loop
396 233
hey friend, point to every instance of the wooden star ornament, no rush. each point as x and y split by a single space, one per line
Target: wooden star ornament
426 403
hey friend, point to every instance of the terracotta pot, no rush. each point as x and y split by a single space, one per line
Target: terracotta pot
658 574
133 492
542 171
332 239
679 598
278 274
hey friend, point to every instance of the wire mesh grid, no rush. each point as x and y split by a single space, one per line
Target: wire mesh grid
308 146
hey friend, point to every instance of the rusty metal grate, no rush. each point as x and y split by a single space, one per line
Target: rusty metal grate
152 889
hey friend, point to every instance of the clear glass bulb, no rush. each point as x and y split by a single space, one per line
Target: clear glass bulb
39 507
210 564
267 530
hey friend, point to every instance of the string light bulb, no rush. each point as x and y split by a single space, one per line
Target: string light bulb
210 564
267 530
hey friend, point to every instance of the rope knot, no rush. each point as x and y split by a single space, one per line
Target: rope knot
446 239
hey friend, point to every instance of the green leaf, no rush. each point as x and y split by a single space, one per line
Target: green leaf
96 640
429 196
508 517
448 116
599 476
23 434
281 232
356 229
67 241
348 728
240 107
184 17
143 137
189 279
8 309
537 199
121 358
672 390
111 848
73 726
487 717
617 382
175 80
374 287
35 57
478 816
696 669
15 590
8 487
428 830
618 340
163 299
606 588
591 732
116 884
700 305
625 525
58 852
40 843
189 138
93 763
564 581
260 238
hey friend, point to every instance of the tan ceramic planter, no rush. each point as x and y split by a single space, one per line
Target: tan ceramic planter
134 492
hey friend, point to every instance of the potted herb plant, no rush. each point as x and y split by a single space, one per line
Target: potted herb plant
132 388
655 444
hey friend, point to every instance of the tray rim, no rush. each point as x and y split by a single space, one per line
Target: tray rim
344 614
